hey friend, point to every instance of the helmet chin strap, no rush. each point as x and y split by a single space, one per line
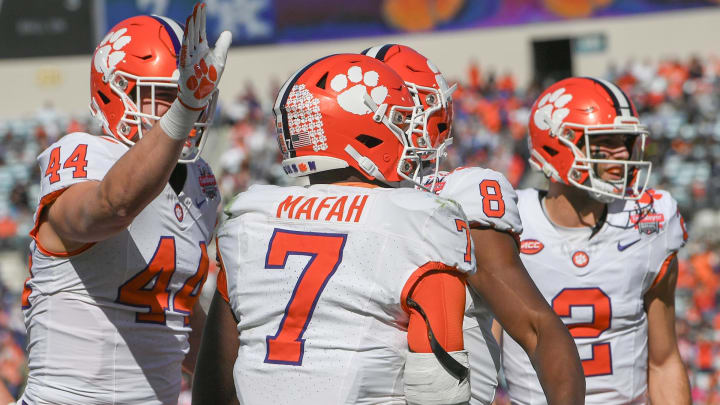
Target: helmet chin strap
602 185
367 165
442 149
605 199
380 114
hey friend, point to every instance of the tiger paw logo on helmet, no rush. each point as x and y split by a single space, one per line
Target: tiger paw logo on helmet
551 110
352 99
109 52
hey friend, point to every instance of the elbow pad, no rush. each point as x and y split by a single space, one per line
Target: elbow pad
428 383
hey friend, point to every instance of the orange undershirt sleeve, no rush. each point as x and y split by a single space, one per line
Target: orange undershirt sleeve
441 295
221 277
663 269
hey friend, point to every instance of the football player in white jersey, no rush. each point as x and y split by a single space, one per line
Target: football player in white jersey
601 248
118 255
501 283
325 290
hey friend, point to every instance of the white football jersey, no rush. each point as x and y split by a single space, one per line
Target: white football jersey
488 200
317 277
108 323
596 285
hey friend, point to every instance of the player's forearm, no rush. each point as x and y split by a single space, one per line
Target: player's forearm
558 366
213 379
197 323
92 211
140 175
668 384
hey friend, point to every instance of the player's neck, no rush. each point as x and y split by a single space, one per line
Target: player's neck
571 207
346 175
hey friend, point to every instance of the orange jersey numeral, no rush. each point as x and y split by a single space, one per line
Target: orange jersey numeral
462 226
186 297
325 251
27 290
53 166
76 161
490 191
150 287
601 361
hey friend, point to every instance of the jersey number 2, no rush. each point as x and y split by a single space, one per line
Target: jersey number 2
325 251
150 287
601 361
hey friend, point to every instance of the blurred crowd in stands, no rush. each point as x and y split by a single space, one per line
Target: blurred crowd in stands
678 99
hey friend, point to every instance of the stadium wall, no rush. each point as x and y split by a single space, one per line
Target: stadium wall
27 83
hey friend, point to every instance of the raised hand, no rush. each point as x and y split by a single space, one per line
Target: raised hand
200 67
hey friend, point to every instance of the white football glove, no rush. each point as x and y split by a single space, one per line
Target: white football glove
200 67
200 70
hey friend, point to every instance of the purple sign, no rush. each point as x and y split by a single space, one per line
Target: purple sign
278 21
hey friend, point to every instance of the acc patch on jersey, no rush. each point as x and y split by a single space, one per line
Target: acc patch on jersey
531 246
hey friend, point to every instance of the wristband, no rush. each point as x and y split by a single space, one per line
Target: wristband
178 121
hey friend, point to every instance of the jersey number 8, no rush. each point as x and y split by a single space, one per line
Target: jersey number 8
493 203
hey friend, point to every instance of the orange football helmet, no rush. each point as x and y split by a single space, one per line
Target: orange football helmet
563 121
429 90
136 59
347 110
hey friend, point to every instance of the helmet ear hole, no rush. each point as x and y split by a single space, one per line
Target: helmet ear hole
581 143
103 97
412 69
369 141
133 94
323 81
550 151
442 127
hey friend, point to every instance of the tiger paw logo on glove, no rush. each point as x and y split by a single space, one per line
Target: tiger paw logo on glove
203 82
200 67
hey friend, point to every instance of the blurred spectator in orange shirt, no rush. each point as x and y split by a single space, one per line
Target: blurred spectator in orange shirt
474 76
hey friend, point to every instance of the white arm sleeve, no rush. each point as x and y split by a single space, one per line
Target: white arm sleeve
428 383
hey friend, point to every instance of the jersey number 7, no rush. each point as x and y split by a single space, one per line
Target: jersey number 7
325 251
